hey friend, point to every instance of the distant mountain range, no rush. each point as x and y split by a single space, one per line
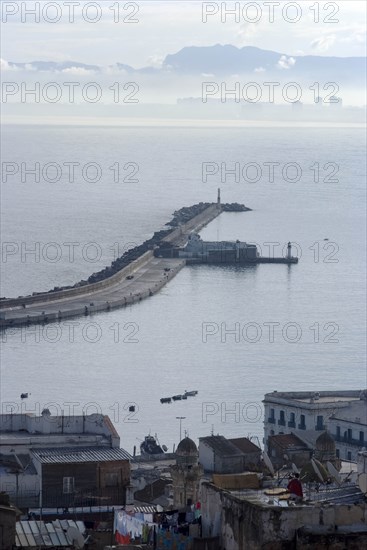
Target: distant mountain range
229 60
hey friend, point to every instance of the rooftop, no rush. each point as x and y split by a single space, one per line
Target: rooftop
287 441
245 445
319 397
38 534
12 463
72 455
221 445
29 423
314 495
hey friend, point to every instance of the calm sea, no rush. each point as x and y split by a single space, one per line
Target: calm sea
231 333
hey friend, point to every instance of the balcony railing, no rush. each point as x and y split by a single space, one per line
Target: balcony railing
291 424
350 440
301 426
271 420
281 422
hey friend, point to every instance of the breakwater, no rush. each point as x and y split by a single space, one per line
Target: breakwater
135 275
139 273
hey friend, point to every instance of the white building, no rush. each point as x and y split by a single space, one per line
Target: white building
342 413
22 435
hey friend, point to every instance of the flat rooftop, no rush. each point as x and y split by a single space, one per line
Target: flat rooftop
329 399
348 494
319 397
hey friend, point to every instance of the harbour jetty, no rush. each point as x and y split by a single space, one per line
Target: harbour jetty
139 273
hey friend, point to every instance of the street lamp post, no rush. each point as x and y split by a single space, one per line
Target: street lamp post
180 418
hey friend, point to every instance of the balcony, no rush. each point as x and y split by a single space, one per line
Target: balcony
291 424
271 420
350 440
320 428
281 422
301 426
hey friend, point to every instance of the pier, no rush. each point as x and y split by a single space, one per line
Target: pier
138 274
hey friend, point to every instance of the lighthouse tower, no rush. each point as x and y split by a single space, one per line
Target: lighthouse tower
289 251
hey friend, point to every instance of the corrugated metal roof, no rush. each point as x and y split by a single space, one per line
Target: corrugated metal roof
41 534
86 454
145 509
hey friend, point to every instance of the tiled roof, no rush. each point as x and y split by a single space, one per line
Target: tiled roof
221 445
287 441
245 445
75 454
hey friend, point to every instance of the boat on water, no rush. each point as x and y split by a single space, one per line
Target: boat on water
150 446
179 397
166 399
191 393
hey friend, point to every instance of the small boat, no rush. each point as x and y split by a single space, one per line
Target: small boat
176 397
166 400
23 395
184 396
191 393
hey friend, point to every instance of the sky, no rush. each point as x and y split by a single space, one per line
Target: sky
163 28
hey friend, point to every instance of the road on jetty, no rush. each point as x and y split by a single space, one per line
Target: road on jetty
148 279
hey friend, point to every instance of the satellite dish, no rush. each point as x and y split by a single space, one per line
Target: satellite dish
75 537
294 468
362 482
316 470
333 472
268 463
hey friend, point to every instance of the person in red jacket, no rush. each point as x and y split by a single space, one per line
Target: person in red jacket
295 488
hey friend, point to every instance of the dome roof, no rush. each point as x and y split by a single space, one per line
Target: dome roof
187 447
325 441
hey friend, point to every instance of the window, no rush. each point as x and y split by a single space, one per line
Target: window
350 434
302 423
320 423
292 420
361 437
67 485
271 418
281 420
349 455
337 452
338 431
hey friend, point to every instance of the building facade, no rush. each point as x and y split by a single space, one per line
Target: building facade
59 461
227 456
342 413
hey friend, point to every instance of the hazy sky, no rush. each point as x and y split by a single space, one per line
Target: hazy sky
166 27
